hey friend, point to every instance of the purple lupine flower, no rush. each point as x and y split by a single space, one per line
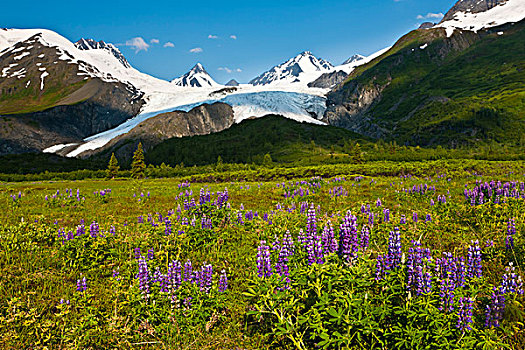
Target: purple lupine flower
264 263
288 247
318 250
329 242
381 271
511 281
136 251
223 282
116 274
465 314
365 238
94 229
428 218
311 222
173 277
414 217
446 292
403 220
394 248
144 277
474 268
378 202
348 240
167 229
187 303
418 277
511 231
81 285
386 215
188 271
494 311
151 254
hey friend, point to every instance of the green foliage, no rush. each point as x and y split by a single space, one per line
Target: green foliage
333 305
442 95
113 166
138 166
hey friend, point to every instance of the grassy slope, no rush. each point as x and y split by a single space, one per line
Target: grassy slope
33 99
284 139
479 89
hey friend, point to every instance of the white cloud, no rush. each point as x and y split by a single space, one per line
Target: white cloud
169 44
431 15
234 37
154 41
196 50
212 36
138 44
229 71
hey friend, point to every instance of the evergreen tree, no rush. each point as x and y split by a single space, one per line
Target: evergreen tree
357 155
113 166
267 161
138 166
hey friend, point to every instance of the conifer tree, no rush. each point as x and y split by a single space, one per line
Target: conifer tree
138 166
357 155
113 166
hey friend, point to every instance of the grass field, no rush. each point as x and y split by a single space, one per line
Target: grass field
338 280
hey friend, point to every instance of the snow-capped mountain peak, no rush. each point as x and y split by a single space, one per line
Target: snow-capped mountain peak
354 58
301 69
90 44
196 77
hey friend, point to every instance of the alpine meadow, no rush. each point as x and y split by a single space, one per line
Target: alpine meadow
378 203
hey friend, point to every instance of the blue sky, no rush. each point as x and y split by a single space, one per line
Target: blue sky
232 39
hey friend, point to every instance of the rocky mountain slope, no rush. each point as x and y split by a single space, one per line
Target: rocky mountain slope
47 97
437 86
202 120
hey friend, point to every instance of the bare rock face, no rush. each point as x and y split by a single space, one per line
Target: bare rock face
202 120
328 80
472 6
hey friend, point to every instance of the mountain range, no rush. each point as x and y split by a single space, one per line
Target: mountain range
450 83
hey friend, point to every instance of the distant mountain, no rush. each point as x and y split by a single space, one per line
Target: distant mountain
353 59
301 69
196 77
232 82
340 73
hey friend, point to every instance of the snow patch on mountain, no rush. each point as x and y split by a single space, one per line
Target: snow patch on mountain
510 11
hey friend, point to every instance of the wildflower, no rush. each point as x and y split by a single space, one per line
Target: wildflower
474 268
223 282
465 314
264 264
